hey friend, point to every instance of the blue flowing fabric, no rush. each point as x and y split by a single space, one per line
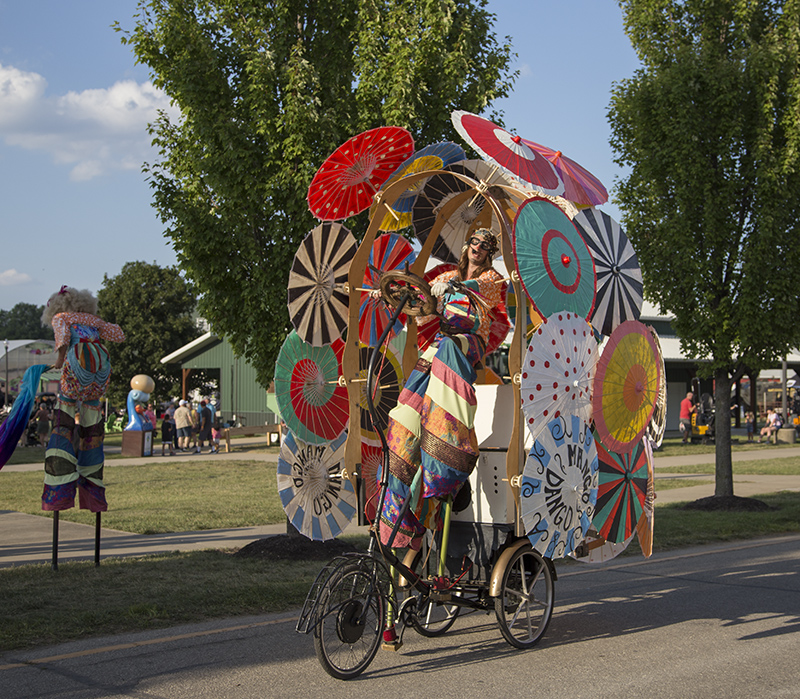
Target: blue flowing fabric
16 422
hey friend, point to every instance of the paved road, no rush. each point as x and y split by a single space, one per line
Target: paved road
718 621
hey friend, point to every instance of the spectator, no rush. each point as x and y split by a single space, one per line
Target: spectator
167 433
216 434
750 425
771 427
687 408
150 414
42 418
183 425
204 433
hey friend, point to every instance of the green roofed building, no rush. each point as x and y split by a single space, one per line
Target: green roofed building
242 400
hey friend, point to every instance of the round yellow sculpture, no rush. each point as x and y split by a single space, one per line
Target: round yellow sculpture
142 382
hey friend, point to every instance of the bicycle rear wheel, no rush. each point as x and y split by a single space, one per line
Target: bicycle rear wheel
348 632
526 599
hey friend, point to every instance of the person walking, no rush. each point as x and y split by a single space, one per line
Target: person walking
687 408
183 425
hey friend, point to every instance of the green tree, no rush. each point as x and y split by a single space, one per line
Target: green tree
709 128
154 306
266 91
24 322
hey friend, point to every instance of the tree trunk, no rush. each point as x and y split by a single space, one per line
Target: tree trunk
722 433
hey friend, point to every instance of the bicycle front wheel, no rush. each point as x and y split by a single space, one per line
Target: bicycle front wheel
348 633
526 599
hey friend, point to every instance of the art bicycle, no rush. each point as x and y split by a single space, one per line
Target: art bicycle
475 469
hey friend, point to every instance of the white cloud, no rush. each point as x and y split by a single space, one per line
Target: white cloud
13 278
95 131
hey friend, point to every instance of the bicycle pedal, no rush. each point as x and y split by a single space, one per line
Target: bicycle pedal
392 645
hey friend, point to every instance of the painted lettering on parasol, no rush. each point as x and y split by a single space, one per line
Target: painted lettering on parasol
323 488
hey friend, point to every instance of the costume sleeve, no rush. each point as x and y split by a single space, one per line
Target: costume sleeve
490 286
60 329
110 331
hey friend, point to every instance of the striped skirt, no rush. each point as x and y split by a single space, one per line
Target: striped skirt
432 443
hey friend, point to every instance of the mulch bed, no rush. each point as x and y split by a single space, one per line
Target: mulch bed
295 548
727 503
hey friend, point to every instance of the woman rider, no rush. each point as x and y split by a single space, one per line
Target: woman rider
432 443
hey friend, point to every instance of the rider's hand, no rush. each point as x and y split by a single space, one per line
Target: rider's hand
375 294
440 288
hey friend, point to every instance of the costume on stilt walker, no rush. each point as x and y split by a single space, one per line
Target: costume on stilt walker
431 438
85 373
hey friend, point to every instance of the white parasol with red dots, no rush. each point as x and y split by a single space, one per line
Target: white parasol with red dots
558 371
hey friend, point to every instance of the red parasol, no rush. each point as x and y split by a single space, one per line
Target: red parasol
389 252
580 185
509 152
347 181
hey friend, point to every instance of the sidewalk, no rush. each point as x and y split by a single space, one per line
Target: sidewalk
28 538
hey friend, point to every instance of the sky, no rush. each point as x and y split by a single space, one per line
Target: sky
74 107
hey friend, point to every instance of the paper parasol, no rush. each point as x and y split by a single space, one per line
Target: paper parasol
621 492
554 265
580 185
619 277
316 297
559 487
658 423
371 460
595 549
645 525
347 181
311 402
434 157
625 387
389 252
557 372
471 214
316 499
498 146
387 384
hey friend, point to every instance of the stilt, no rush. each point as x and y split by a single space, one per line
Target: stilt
55 540
96 539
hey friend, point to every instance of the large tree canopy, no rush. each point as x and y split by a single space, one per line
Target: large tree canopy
154 307
266 91
709 129
24 322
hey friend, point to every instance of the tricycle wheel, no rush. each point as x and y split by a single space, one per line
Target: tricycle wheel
525 604
348 632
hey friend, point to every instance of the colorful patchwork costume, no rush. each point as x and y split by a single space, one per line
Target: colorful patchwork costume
84 379
432 443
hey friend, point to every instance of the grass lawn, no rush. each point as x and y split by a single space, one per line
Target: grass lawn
167 497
